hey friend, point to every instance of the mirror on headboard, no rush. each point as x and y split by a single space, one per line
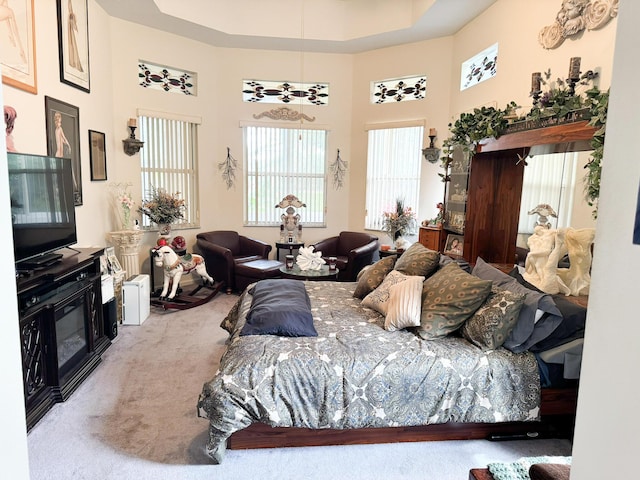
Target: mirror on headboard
557 180
495 186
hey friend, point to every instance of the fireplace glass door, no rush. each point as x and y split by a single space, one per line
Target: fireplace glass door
71 333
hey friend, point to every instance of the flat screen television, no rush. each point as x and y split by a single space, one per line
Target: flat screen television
42 209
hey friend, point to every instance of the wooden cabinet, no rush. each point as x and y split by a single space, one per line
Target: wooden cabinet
432 237
495 187
62 332
456 192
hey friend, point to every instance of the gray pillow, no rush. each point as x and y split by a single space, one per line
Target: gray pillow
449 297
280 307
527 331
418 260
373 275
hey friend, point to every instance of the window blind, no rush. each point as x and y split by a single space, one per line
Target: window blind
283 161
393 171
169 160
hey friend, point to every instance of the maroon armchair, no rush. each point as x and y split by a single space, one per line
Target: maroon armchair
224 249
354 251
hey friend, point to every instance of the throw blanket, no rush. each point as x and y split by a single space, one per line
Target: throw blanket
519 470
355 374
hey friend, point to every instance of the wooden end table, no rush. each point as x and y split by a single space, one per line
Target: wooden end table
289 245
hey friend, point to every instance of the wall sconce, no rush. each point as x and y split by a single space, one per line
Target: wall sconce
132 145
431 153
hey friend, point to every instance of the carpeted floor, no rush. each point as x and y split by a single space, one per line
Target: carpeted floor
135 418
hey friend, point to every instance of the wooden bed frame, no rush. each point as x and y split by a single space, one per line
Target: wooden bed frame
557 410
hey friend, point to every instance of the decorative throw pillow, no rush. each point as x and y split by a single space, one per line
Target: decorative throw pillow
418 260
378 300
530 328
490 325
405 303
280 307
373 276
449 297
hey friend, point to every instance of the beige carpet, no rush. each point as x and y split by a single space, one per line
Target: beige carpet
135 418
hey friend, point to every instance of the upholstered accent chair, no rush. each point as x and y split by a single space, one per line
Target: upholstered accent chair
224 250
354 251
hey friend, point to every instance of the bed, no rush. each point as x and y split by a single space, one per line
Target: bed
357 382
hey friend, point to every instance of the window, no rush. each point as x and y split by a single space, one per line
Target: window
393 171
169 160
280 162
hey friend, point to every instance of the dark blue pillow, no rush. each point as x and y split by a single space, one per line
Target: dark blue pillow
280 307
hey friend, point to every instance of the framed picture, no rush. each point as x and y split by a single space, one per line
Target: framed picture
97 156
454 244
114 264
18 45
73 43
104 265
63 138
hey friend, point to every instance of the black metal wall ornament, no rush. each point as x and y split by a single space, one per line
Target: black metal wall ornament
338 170
228 168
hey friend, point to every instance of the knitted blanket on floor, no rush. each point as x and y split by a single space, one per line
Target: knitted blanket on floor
519 470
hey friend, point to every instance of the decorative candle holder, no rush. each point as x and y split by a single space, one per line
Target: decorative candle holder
431 153
332 263
574 74
132 145
288 261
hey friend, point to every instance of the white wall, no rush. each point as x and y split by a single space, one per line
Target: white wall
515 24
607 423
116 45
431 58
95 111
13 435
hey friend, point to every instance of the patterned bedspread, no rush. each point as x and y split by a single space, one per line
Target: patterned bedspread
355 374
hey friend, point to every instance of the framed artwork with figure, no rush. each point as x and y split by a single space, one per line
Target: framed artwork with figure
18 45
73 43
454 244
63 138
97 156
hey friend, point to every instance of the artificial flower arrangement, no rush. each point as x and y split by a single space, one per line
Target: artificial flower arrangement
400 221
127 203
163 208
124 203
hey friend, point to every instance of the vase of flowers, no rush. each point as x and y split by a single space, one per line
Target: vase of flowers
123 204
163 209
126 203
398 221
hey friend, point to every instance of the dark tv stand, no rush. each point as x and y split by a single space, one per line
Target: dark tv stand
40 262
62 334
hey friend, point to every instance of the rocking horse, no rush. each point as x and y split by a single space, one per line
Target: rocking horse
174 267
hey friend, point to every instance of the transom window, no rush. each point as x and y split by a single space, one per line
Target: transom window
393 171
280 162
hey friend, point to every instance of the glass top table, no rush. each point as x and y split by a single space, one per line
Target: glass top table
296 273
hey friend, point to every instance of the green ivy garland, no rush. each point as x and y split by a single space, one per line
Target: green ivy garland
558 102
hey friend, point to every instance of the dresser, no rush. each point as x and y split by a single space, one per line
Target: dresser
432 237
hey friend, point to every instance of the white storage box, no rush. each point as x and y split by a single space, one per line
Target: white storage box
136 299
108 291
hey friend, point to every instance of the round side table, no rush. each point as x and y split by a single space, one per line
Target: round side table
297 274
